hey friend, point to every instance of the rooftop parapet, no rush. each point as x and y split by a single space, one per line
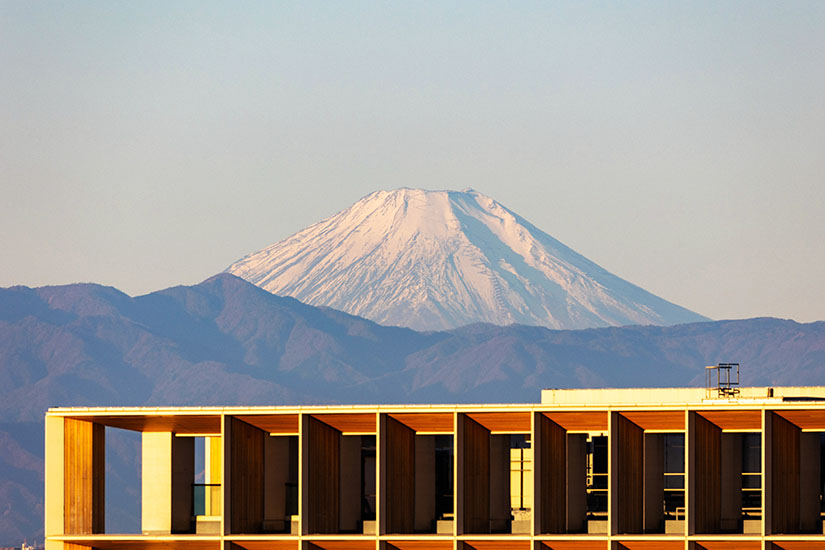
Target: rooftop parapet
676 396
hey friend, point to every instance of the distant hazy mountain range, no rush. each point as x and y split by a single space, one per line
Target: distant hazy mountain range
226 341
435 260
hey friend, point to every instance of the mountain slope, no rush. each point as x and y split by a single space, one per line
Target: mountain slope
228 342
434 260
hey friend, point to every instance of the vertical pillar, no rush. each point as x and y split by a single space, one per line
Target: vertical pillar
476 474
627 443
379 482
400 479
536 444
553 483
458 470
809 472
303 476
226 480
54 480
381 442
704 462
730 484
654 482
349 483
276 477
782 489
612 471
689 467
320 477
576 460
168 470
246 477
499 483
213 473
84 470
425 483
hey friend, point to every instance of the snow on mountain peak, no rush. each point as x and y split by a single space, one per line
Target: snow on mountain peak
440 259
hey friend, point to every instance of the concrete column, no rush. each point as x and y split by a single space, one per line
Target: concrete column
54 481
168 464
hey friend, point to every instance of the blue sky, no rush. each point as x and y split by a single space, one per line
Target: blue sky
679 145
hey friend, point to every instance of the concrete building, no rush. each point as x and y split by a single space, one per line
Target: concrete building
672 468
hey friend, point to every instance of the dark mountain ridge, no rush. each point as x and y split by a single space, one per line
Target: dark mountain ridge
228 342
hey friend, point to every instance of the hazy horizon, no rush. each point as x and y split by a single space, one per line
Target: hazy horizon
680 147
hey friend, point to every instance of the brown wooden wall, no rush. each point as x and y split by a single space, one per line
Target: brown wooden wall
400 477
476 473
785 475
654 467
553 482
323 465
84 475
246 477
629 501
706 449
183 473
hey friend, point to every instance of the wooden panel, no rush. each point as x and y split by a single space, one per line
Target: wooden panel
706 449
584 544
652 545
630 476
654 485
246 477
785 475
84 477
729 545
734 420
657 420
797 545
323 489
349 422
553 481
280 424
498 545
580 421
476 468
266 545
806 420
426 422
343 544
420 545
505 422
400 477
178 423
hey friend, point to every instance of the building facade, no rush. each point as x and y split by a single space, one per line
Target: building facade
670 468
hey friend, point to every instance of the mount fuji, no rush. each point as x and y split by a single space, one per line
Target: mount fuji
433 260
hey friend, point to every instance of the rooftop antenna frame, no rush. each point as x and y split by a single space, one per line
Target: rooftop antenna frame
726 386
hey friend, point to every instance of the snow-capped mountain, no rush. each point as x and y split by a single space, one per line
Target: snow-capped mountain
441 259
